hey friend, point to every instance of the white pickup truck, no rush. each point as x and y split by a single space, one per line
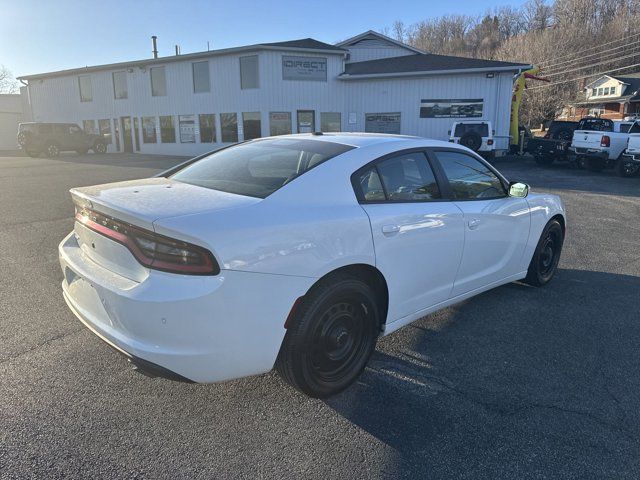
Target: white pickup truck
629 164
598 143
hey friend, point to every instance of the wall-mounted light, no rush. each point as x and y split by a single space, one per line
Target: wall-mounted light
130 70
143 69
491 75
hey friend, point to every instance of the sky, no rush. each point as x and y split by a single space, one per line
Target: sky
48 35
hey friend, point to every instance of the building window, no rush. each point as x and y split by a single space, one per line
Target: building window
187 128
249 72
612 91
105 129
600 91
84 83
606 91
330 122
229 127
594 92
158 82
251 125
89 126
201 77
167 130
207 128
119 85
149 130
279 123
382 123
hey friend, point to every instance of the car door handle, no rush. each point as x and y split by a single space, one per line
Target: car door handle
390 229
473 224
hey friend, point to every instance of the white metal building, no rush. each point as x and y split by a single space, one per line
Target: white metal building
192 103
10 115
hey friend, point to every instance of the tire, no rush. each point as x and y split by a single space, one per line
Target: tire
595 164
627 169
564 134
545 259
471 140
543 159
332 335
52 150
100 148
22 139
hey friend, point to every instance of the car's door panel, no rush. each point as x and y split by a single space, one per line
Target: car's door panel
496 225
418 238
420 257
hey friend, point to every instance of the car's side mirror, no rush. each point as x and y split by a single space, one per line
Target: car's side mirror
518 190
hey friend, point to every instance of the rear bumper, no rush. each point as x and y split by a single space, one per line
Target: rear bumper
589 152
189 328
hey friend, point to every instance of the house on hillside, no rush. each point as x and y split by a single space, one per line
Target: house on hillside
614 97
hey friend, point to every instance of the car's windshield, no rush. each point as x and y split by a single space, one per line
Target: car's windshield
481 129
259 168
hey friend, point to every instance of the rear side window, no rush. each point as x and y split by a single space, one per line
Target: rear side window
469 178
259 168
403 178
481 129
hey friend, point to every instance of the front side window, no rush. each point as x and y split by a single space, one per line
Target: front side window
279 123
201 77
149 130
84 84
158 82
330 122
229 127
167 130
249 72
469 178
120 85
207 127
251 125
259 168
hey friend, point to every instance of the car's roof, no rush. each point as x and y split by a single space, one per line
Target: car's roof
359 139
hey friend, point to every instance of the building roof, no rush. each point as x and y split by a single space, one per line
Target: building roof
370 34
631 79
425 63
303 45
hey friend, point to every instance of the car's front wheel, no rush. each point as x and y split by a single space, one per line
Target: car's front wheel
52 150
100 148
627 169
546 256
331 337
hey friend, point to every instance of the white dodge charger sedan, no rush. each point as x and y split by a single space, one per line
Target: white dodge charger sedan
297 252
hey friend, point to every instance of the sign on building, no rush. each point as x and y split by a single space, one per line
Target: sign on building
451 108
382 123
304 68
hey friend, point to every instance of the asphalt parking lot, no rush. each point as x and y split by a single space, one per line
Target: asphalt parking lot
516 383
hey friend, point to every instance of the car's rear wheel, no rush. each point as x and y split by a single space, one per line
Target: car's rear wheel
545 259
627 169
332 335
100 148
52 150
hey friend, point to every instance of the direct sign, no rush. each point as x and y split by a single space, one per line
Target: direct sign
304 68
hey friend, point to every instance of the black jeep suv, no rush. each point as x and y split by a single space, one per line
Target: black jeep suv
52 138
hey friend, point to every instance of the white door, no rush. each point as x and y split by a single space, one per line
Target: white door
418 238
496 226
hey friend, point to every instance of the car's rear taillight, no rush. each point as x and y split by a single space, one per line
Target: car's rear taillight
149 248
489 142
605 141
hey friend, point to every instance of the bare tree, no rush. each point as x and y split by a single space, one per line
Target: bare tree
8 84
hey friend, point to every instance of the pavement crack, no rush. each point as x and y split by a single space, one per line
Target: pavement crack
39 345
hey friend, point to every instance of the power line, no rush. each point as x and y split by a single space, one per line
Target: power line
636 54
633 44
580 78
555 59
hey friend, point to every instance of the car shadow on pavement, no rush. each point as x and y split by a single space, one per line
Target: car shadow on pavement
514 381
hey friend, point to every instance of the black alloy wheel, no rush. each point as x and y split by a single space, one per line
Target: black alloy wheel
545 259
627 169
332 336
100 148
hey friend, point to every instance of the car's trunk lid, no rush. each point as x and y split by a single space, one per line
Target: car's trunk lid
587 139
140 203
